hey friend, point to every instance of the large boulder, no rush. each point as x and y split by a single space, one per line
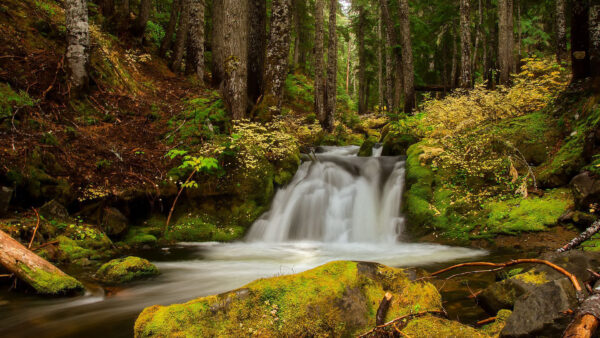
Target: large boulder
338 299
114 222
586 189
5 197
54 210
125 270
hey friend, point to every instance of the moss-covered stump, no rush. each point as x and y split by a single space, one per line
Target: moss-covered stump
335 299
125 270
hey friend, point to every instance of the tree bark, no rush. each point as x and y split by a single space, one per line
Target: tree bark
298 16
391 42
257 42
580 39
408 70
478 36
234 88
594 27
276 66
561 32
331 90
319 85
362 61
167 41
44 277
505 39
584 236
196 36
217 43
108 8
139 25
78 45
348 56
382 310
587 319
465 44
454 67
380 46
180 39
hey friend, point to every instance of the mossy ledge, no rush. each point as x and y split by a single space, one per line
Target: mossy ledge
337 299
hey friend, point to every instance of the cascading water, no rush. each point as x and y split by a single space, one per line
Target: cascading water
337 207
337 197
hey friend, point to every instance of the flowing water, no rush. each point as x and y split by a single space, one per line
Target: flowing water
338 206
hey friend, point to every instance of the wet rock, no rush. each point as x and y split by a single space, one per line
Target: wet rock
586 189
54 210
114 222
5 197
124 270
581 220
397 144
366 149
335 299
503 294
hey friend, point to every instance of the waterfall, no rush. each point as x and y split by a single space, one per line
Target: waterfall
337 197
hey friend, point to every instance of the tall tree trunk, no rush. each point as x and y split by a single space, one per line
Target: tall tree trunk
257 42
465 44
580 40
180 39
454 67
196 36
561 32
594 24
78 45
276 66
519 36
298 16
390 65
167 41
380 46
408 70
331 67
108 8
139 25
362 62
319 64
348 67
235 56
505 39
492 57
218 60
478 36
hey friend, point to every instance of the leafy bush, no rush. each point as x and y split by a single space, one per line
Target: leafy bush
155 32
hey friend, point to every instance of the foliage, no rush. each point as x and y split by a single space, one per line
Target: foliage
203 118
155 32
11 100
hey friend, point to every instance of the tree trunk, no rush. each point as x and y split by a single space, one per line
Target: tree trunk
44 277
139 25
257 41
108 8
196 36
478 36
519 36
78 45
408 70
319 64
348 67
505 39
380 46
465 44
180 39
235 56
561 32
594 27
331 91
454 67
362 61
276 66
168 39
492 59
580 40
217 43
298 16
391 42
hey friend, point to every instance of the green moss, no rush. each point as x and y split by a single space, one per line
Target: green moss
97 248
139 237
432 326
124 270
531 214
195 228
532 278
496 327
564 164
48 283
336 299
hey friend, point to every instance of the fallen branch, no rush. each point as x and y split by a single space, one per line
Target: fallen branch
6 275
404 319
44 245
582 237
569 275
486 321
34 230
383 309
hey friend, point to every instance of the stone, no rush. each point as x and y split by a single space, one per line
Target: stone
579 219
6 194
125 270
586 190
114 222
397 144
54 210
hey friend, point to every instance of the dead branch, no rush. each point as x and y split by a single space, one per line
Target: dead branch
34 230
486 321
44 245
584 236
402 320
383 309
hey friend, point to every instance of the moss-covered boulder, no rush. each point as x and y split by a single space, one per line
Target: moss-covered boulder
335 299
125 270
366 149
195 228
397 144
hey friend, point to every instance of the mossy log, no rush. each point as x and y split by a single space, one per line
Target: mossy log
44 277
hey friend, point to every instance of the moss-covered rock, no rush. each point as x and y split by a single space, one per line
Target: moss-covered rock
397 144
336 299
195 228
95 246
124 270
366 149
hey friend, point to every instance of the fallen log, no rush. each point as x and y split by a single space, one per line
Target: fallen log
41 275
586 321
584 236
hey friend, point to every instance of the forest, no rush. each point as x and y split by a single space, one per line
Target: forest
299 168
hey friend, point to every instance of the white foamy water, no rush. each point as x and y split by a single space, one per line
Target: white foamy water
338 207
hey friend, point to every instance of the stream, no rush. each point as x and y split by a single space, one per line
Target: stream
337 207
